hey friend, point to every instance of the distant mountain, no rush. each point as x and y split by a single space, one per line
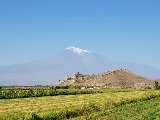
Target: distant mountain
65 63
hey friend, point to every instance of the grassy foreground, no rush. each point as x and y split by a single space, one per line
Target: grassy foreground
69 106
140 110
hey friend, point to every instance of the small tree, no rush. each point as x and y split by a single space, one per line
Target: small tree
156 85
0 87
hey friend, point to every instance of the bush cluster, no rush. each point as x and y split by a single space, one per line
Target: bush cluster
156 86
25 93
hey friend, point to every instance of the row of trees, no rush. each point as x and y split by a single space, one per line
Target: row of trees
25 93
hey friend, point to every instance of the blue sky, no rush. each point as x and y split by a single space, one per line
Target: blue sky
122 30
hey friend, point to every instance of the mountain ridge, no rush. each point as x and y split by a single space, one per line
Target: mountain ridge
65 63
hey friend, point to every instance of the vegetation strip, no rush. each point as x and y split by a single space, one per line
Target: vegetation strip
26 93
64 107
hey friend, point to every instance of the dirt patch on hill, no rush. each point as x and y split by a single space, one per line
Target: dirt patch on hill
117 78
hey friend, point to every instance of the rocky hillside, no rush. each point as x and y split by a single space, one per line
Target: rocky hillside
116 78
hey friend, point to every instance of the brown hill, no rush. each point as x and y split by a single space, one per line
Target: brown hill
117 78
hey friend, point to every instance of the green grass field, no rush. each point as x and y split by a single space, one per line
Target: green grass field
73 106
140 110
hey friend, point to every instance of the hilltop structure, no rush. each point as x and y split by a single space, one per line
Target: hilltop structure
111 79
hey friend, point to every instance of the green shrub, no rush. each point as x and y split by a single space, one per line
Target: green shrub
62 87
156 86
35 117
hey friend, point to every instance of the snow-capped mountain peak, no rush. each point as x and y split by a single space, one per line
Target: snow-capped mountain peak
76 50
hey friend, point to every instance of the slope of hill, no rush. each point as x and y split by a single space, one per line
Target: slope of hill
116 78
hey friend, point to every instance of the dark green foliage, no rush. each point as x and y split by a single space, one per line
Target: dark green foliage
35 117
2 97
62 87
25 93
156 86
53 117
66 87
0 87
148 87
52 87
